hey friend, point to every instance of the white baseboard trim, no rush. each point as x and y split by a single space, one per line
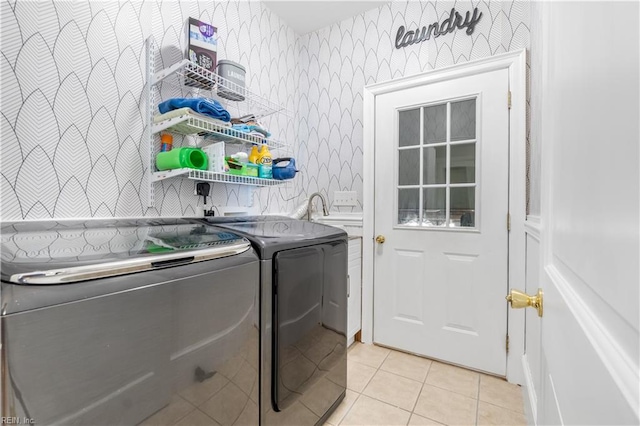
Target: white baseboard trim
530 396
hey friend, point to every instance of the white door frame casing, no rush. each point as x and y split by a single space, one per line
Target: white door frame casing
515 63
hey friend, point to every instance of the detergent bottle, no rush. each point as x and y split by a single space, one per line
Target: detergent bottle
254 155
265 156
264 163
167 142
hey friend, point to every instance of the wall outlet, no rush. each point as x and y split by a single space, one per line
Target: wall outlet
345 198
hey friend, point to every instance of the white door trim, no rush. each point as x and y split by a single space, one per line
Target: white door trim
515 63
533 230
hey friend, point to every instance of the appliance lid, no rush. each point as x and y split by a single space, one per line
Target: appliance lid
65 252
271 234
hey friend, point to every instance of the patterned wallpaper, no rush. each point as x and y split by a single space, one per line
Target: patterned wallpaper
73 95
534 153
338 61
72 105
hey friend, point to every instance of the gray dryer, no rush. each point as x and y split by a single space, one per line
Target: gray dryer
303 274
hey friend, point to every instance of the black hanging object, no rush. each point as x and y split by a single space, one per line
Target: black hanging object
203 188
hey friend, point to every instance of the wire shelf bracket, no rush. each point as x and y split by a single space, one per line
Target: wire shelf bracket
150 107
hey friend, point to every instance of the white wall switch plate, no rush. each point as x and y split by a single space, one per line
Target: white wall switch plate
345 198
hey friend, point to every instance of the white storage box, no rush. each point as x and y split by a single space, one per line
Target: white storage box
215 153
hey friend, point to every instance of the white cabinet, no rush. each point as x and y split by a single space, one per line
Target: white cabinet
355 288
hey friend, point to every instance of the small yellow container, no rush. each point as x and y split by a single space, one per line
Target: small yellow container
253 156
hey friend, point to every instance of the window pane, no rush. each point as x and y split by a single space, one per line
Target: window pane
463 207
434 204
463 120
435 123
408 206
409 127
409 167
435 165
463 163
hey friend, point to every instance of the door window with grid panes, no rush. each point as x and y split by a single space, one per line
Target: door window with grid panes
437 165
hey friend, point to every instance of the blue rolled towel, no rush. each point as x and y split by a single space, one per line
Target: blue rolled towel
248 128
241 128
209 107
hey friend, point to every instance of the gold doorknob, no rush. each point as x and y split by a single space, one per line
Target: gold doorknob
518 300
380 239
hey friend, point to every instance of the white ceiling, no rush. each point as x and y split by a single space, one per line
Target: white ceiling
306 16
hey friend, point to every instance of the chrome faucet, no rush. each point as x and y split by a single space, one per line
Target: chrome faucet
325 212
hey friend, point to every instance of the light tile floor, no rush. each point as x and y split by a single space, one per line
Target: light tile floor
386 387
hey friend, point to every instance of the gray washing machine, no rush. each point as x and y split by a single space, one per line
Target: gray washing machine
303 273
109 322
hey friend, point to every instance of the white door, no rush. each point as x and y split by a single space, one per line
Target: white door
588 370
441 204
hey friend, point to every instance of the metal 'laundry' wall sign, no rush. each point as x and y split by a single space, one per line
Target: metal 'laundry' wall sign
449 25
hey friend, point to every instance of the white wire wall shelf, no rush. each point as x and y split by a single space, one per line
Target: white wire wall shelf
207 176
198 77
189 124
193 80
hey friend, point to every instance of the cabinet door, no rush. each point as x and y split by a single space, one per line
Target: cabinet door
355 287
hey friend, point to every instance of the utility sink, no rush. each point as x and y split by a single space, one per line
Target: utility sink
349 222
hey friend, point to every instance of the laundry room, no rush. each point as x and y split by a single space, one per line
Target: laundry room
315 212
